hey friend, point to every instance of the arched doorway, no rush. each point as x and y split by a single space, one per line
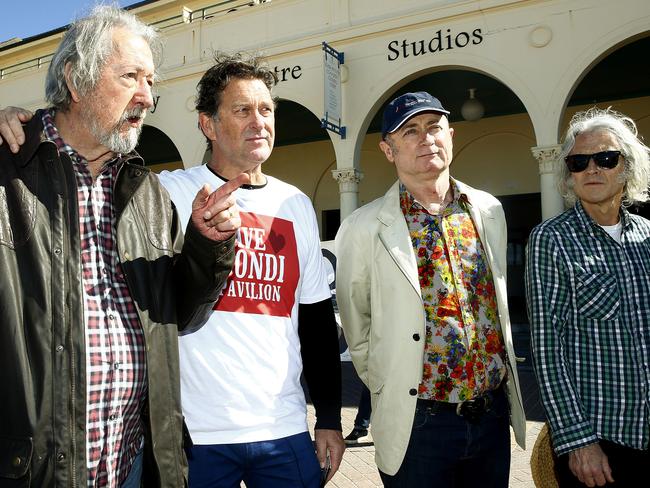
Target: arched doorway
621 80
492 154
304 157
158 150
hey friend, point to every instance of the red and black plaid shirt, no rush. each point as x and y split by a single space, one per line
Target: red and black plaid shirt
116 372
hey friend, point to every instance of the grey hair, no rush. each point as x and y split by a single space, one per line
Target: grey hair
636 174
87 46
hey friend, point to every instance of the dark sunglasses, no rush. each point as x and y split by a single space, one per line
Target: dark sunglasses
604 159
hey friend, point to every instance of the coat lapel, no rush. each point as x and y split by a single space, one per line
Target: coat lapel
395 237
484 222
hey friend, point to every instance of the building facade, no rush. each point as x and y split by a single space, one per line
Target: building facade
531 64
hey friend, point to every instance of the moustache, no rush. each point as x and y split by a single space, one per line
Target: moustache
134 115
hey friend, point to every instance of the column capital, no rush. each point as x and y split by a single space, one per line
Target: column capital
347 175
546 157
347 178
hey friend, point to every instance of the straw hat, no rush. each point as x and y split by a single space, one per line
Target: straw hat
542 460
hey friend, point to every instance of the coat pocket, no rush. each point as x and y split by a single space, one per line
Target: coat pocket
15 460
375 383
597 296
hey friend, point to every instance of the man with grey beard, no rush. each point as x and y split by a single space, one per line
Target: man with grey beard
96 275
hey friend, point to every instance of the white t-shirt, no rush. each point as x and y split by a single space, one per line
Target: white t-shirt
615 231
240 371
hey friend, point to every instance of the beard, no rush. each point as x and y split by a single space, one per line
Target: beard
113 138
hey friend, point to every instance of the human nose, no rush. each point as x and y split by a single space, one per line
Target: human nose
428 138
257 121
592 167
143 94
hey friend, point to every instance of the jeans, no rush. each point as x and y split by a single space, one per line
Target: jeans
447 451
280 463
362 420
135 475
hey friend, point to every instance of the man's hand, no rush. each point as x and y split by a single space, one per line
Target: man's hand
329 442
215 214
590 465
11 126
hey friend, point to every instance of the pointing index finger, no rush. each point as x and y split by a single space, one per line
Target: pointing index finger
230 186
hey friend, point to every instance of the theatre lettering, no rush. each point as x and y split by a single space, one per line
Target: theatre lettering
441 41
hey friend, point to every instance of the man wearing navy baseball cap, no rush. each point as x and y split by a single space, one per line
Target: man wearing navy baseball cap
421 282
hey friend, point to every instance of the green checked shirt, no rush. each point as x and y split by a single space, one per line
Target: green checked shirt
589 309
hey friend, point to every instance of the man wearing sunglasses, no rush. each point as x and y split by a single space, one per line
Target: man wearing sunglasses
588 297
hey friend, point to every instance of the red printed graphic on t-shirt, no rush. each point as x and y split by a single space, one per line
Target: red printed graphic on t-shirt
266 271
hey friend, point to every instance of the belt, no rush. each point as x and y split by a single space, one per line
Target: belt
471 410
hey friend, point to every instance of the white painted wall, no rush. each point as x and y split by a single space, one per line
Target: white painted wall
539 49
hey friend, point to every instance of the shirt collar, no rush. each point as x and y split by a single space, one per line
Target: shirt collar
407 200
52 133
587 222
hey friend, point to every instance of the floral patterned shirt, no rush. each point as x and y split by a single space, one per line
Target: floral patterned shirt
464 355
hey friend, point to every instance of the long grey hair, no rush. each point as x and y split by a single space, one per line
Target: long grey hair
87 46
636 174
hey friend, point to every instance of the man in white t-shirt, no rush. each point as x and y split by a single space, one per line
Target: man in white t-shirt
240 372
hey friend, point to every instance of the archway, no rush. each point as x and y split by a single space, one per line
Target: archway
158 150
492 154
304 157
619 80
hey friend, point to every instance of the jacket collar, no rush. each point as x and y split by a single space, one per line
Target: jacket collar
387 213
396 238
34 137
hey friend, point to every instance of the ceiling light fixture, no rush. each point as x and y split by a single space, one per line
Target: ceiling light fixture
472 110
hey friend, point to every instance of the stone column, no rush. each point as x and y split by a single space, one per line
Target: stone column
552 202
348 180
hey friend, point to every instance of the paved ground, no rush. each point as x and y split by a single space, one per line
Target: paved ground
358 468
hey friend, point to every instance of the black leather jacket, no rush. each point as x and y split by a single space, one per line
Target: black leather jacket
173 283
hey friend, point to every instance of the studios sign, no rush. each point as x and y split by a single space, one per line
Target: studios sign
441 41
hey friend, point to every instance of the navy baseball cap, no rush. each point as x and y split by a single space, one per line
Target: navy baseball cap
406 106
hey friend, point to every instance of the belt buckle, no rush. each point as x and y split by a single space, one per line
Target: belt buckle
471 410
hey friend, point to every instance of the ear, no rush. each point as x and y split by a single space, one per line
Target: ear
74 94
451 132
207 126
387 150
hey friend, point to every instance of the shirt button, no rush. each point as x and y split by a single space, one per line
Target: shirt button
111 316
60 457
16 462
112 417
413 392
116 365
57 250
416 337
59 348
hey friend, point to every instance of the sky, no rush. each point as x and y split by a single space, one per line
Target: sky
26 18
